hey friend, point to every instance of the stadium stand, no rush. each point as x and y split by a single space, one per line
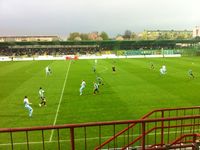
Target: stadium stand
88 47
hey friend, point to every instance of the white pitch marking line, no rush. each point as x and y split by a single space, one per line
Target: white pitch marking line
61 96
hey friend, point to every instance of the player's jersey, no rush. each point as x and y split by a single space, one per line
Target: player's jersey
47 69
41 93
162 71
164 68
96 86
83 84
26 102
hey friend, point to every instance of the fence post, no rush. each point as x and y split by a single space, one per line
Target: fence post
11 139
143 135
72 138
162 130
27 140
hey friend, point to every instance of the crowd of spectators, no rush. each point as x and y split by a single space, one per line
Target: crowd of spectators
29 52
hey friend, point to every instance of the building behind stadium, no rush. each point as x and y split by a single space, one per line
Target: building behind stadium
28 38
196 31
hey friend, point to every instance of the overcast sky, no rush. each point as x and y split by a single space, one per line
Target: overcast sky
60 17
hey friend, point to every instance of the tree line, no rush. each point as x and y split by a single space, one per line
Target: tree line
129 35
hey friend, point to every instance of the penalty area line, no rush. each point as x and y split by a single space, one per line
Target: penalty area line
61 96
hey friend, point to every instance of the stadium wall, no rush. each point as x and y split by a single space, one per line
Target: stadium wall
69 57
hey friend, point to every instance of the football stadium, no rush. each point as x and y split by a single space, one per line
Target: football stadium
135 106
99 75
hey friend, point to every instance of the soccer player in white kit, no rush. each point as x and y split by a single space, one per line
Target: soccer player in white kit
163 70
83 84
95 61
47 70
27 106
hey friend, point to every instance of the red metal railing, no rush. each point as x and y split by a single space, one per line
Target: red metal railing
147 133
159 113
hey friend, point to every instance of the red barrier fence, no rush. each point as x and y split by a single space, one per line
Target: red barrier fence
174 131
159 113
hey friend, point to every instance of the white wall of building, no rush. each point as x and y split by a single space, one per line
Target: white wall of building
196 31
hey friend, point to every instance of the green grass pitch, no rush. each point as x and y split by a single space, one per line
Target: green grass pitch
129 93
